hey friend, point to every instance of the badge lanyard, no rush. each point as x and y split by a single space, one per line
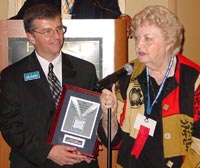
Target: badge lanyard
149 107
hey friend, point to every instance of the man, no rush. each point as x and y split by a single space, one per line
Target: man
27 104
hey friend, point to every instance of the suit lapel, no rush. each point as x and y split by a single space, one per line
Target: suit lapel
41 84
68 70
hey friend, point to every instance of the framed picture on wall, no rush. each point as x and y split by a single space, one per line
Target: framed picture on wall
89 49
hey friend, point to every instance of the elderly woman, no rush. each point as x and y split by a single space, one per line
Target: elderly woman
155 112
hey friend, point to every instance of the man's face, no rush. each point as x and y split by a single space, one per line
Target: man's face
47 46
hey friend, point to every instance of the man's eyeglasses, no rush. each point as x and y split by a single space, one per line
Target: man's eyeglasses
50 32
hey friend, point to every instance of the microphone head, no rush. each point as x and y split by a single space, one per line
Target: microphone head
128 68
114 77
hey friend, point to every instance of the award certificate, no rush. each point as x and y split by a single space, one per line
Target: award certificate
76 120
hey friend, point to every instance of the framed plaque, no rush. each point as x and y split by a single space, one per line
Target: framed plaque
76 120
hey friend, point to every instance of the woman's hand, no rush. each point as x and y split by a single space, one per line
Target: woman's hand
108 100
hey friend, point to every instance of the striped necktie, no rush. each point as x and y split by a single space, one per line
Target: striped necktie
54 84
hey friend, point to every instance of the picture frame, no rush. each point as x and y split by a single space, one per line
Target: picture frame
76 120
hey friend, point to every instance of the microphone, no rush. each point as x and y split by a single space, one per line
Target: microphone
114 77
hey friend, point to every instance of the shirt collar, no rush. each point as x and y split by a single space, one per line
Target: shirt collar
57 62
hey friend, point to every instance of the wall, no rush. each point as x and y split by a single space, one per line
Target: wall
188 12
4 9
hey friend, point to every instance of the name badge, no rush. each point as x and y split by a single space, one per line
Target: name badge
149 123
31 76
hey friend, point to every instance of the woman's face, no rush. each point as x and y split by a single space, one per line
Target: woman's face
151 47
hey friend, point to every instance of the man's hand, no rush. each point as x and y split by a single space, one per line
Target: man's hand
66 155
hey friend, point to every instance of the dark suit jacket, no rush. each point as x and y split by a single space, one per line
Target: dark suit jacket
27 108
83 9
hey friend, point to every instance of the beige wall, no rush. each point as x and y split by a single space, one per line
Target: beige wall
188 13
4 9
